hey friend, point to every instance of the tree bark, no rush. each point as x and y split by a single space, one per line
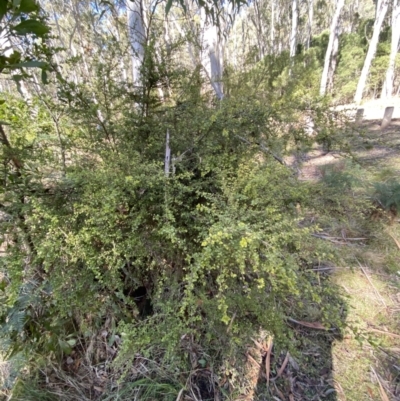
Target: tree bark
381 9
329 50
387 89
272 34
293 35
334 59
310 21
137 37
212 60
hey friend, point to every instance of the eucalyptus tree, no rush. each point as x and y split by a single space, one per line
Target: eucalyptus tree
333 36
387 89
294 33
381 9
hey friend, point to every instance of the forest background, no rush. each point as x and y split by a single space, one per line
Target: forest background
153 222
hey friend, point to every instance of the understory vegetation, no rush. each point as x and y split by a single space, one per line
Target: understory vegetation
161 243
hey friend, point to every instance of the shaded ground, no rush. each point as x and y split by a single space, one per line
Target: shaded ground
371 147
366 362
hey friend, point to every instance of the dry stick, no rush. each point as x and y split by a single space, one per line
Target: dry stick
337 240
180 394
253 360
342 238
316 325
230 323
282 368
372 285
268 359
384 332
381 390
395 240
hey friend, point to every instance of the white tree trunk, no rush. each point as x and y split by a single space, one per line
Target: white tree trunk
334 59
381 9
310 21
387 89
212 55
272 35
293 35
137 37
328 54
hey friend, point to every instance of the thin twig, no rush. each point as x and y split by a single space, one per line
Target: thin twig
381 390
372 285
384 332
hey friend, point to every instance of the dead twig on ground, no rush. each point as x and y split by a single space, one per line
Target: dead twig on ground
372 285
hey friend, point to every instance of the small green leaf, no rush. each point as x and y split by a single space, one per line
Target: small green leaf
44 77
28 6
202 362
17 77
4 122
15 57
168 6
29 64
31 26
3 8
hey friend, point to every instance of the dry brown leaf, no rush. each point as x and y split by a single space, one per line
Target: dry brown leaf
311 325
282 368
280 394
268 359
370 392
291 397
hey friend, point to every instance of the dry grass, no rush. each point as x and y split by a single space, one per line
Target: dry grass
375 331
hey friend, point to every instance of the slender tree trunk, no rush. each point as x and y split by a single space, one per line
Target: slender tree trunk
310 21
387 89
272 35
293 35
381 10
329 50
259 28
212 55
137 37
334 59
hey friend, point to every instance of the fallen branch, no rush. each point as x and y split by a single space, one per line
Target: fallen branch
337 240
310 325
384 332
265 150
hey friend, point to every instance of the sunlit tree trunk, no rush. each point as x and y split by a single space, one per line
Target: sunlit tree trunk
381 9
137 37
258 24
310 21
387 89
212 55
334 59
293 35
329 50
272 32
